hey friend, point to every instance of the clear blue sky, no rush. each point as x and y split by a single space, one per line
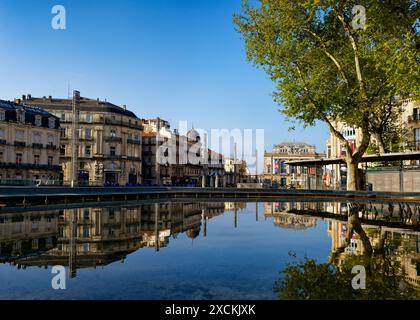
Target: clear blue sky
177 59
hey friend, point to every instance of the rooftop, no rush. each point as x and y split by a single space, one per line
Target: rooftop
86 104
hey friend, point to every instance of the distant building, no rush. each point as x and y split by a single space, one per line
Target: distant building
277 171
109 140
214 170
236 172
29 140
179 170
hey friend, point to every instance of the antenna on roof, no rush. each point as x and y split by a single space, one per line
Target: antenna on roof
68 91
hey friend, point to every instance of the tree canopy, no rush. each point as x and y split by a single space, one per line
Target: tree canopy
330 63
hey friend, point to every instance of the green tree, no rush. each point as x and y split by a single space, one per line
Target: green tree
328 69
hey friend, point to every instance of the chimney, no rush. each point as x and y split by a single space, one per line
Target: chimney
124 107
50 97
23 97
29 96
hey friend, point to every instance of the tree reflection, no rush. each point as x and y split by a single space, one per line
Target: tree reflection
385 276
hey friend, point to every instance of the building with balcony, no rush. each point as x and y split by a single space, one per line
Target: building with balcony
166 159
29 144
108 141
277 171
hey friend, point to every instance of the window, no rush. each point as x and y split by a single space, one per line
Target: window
51 123
88 133
112 151
2 134
89 118
417 135
86 214
37 137
113 133
63 150
18 158
63 117
50 161
36 159
416 114
20 135
88 151
50 140
130 136
20 116
62 132
38 121
1 156
136 137
86 232
2 115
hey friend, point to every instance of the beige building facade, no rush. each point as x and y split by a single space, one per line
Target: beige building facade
277 171
109 141
29 145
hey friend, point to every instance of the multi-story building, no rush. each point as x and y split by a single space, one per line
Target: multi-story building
177 169
277 171
29 140
109 141
156 132
214 171
236 172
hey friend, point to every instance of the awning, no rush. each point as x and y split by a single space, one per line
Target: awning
399 156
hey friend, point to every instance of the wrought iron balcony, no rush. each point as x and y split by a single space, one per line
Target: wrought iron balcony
37 145
20 144
132 141
51 147
113 139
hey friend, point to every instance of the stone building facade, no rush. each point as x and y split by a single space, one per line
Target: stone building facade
109 141
277 171
29 140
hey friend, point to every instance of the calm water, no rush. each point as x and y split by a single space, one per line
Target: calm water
182 250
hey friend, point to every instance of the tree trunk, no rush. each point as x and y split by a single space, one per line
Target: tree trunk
381 143
353 181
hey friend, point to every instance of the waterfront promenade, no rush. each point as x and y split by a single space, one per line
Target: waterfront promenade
26 196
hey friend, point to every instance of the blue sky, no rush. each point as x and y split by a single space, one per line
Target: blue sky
177 59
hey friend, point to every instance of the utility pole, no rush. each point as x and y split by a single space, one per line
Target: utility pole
157 160
235 155
256 164
75 138
205 161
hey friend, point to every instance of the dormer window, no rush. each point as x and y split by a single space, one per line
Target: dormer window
51 123
38 121
20 116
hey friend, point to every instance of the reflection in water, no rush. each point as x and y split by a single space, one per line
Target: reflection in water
391 257
384 237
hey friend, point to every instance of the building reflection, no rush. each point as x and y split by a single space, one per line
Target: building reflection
282 217
93 237
401 246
